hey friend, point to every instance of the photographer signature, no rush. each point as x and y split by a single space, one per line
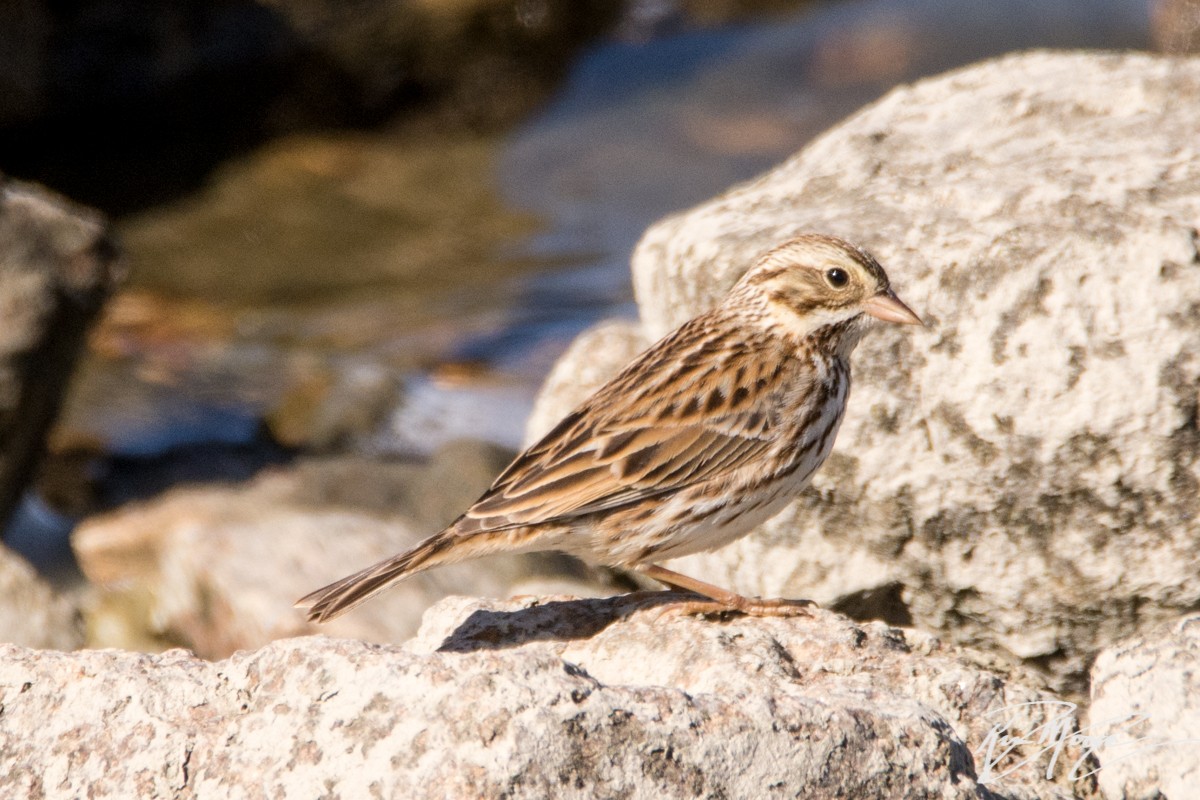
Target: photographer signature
1052 738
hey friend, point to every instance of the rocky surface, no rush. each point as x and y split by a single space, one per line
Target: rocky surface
1025 474
565 699
217 569
58 264
1145 715
31 613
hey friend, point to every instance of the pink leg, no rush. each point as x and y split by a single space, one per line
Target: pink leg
721 600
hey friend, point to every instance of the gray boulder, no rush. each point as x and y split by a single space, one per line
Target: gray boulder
1025 475
58 264
558 698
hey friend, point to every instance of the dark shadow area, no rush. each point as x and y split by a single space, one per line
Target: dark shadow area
126 104
557 620
884 603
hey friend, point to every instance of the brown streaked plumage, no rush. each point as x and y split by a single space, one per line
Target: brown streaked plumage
708 433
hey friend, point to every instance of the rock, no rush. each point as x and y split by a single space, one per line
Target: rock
218 569
566 699
328 407
1025 474
1145 715
58 264
31 613
452 479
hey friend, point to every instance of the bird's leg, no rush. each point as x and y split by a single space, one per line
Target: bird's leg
721 600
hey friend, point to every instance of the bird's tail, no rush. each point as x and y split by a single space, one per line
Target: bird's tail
339 597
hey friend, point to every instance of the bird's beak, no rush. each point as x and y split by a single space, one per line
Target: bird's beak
889 308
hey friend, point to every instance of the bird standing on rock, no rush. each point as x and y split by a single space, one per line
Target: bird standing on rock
708 433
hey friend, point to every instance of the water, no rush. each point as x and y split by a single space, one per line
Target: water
643 129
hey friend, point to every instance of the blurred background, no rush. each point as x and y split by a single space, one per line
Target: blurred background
368 228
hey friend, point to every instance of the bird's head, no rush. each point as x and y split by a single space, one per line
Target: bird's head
814 283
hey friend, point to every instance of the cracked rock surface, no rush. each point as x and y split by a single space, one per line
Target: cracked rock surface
551 698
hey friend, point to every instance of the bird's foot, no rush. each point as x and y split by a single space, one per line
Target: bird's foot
714 601
690 606
774 607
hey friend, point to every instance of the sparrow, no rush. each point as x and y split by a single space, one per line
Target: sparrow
704 436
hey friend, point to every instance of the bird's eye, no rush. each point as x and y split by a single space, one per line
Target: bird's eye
837 278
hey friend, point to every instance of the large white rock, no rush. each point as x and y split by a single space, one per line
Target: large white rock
577 699
1145 714
1025 473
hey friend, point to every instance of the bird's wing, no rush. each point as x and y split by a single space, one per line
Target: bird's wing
679 415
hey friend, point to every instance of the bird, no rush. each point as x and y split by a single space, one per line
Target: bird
708 433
